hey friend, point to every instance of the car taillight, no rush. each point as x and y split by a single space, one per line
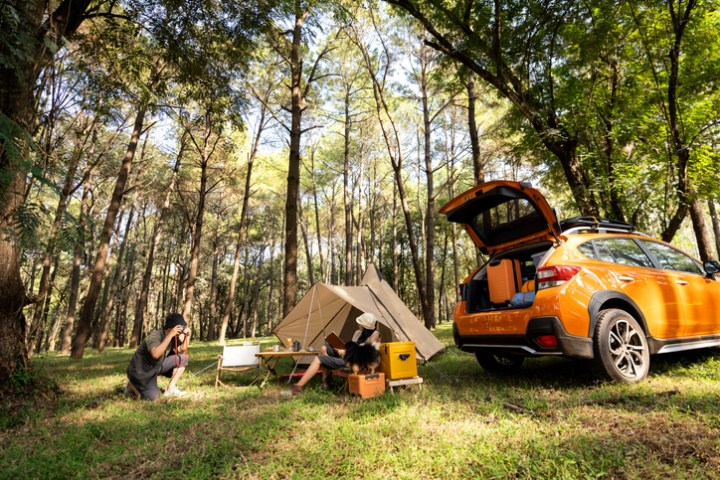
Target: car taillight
555 275
546 341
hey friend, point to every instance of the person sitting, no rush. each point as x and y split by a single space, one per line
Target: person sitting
162 352
361 352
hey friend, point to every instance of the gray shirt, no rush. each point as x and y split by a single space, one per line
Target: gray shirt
143 367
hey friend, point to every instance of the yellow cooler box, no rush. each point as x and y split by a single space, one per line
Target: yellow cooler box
398 360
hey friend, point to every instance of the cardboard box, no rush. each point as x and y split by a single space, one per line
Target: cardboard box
367 385
398 360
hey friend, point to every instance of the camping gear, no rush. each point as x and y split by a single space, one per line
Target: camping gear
398 360
237 358
503 278
367 385
326 308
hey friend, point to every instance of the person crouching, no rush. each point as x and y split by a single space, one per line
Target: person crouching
162 352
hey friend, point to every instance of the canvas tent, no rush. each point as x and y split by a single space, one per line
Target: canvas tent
331 308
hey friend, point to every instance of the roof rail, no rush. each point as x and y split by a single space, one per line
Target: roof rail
579 224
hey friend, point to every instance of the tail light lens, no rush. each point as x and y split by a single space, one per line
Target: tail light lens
555 275
547 341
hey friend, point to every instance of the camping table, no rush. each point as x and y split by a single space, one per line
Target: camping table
269 360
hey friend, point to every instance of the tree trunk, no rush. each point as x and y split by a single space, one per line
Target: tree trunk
715 225
41 332
393 145
243 215
104 324
142 300
213 286
430 207
308 249
197 241
86 314
478 167
78 255
680 144
19 73
321 260
38 320
701 234
347 195
293 178
396 267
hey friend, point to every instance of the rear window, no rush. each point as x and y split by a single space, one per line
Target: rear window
623 251
506 221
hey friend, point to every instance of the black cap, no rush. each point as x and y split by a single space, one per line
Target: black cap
173 320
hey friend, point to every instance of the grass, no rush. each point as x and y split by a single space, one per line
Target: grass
556 419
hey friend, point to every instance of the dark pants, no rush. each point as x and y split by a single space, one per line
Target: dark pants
150 391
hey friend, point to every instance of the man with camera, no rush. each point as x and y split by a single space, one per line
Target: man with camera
162 352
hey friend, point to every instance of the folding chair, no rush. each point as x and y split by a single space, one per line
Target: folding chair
238 358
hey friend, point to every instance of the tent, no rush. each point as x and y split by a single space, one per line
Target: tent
330 308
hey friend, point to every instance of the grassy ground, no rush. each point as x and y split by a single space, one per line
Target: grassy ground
556 419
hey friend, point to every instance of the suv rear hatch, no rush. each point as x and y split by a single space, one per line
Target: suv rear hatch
500 215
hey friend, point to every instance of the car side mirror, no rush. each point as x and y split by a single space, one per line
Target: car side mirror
711 268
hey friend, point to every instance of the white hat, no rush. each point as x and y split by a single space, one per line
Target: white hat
367 320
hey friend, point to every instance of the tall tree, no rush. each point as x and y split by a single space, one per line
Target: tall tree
291 50
378 73
511 45
31 29
88 308
206 142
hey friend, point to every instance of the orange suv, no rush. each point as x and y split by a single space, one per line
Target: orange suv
582 288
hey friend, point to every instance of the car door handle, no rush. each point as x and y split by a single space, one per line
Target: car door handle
625 278
681 282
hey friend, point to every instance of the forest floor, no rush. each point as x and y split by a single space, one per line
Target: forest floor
555 419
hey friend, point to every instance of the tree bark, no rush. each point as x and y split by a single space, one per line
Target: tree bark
17 104
78 255
430 205
715 225
213 287
86 314
701 234
293 178
478 167
347 196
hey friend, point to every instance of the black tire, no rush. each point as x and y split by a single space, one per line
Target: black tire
621 349
497 362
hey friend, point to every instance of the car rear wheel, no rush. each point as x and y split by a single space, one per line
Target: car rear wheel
621 349
499 362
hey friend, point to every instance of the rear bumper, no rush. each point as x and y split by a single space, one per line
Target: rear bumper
567 345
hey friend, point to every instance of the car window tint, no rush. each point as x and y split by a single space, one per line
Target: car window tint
671 259
588 250
604 252
623 251
507 220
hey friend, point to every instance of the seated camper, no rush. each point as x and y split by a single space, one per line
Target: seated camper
361 352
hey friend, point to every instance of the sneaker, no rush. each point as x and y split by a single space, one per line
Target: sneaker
174 392
296 390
